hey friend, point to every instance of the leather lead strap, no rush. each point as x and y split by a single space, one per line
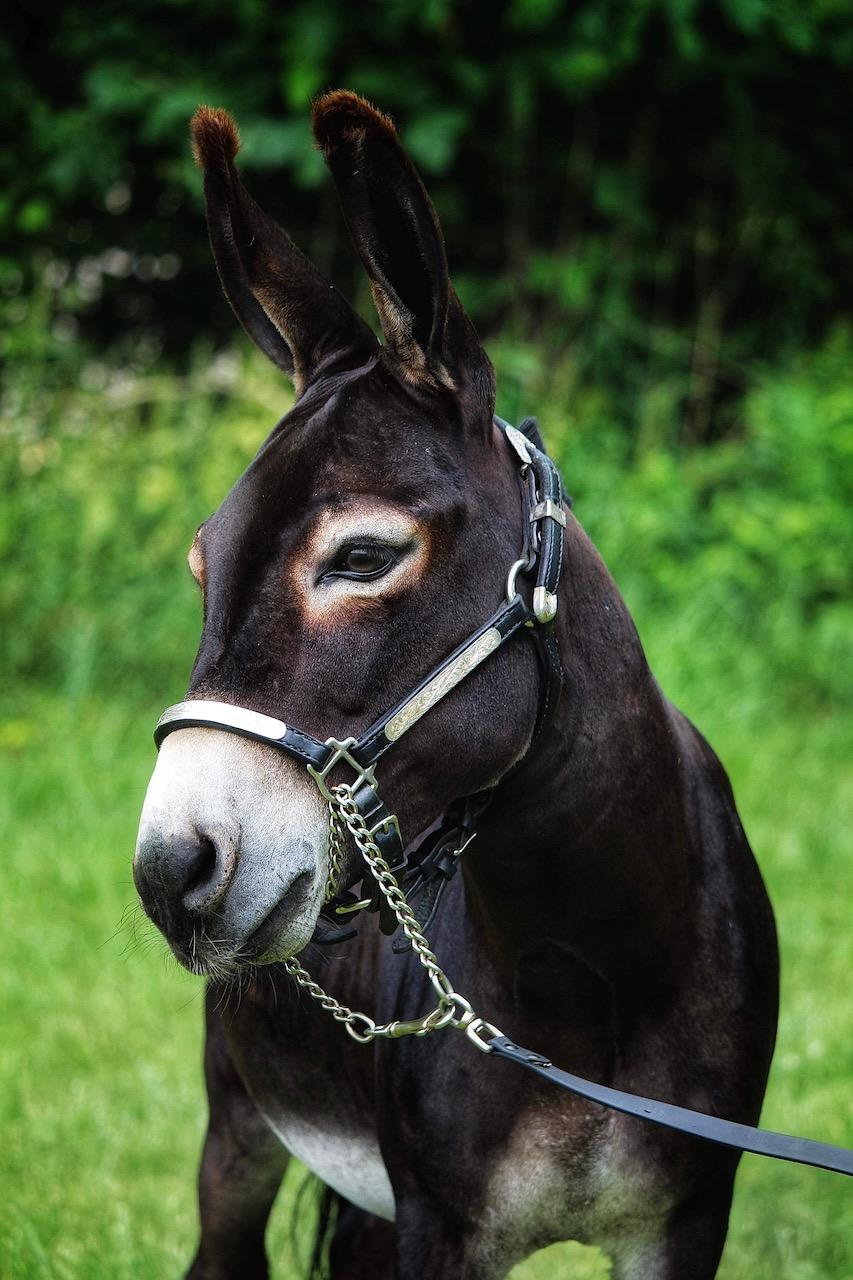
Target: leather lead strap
728 1133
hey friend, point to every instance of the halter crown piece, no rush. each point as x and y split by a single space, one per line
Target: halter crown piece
357 812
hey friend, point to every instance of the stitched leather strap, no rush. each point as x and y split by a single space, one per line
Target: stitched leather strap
203 713
375 741
542 481
728 1133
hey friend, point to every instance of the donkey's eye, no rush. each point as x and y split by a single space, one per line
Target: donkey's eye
362 560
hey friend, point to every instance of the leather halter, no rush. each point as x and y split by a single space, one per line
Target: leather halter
432 859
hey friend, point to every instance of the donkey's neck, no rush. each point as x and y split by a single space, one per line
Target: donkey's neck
587 843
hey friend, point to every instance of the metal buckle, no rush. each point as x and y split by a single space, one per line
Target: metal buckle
457 853
385 825
544 604
341 751
547 509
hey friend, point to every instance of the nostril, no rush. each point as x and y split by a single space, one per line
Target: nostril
206 874
202 872
184 875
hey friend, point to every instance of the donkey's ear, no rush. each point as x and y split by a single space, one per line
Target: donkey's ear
396 231
283 302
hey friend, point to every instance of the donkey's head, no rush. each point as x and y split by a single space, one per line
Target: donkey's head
369 536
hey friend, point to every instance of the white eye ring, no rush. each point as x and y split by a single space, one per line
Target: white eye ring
368 523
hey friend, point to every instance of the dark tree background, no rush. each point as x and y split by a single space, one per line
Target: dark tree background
649 211
652 190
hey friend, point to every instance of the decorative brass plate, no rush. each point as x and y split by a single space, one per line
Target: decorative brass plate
442 683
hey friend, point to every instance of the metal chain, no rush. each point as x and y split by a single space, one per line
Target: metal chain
452 1009
337 853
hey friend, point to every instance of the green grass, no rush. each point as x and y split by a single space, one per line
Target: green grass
100 1087
735 561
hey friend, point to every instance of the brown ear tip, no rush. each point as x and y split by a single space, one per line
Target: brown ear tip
344 116
215 137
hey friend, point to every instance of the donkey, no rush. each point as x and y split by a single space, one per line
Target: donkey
609 912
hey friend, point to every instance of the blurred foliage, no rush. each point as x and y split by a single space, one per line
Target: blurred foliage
662 188
743 546
650 205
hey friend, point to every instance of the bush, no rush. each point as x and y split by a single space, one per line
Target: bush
735 556
663 187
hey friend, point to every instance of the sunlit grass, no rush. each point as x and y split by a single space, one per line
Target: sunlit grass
100 1090
733 560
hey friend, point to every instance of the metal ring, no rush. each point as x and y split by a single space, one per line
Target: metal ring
347 908
365 1036
474 1029
463 1011
437 1020
514 571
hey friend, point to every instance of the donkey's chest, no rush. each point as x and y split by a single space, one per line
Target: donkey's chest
544 1180
559 1173
316 1091
349 1161
532 1190
521 1162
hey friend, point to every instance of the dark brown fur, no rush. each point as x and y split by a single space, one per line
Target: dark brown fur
215 138
610 914
345 117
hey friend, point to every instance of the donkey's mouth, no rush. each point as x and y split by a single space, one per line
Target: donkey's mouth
278 934
265 940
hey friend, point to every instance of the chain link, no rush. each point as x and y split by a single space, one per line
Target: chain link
451 1009
337 853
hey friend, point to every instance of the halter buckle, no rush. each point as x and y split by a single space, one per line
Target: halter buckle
385 826
342 751
544 604
547 509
